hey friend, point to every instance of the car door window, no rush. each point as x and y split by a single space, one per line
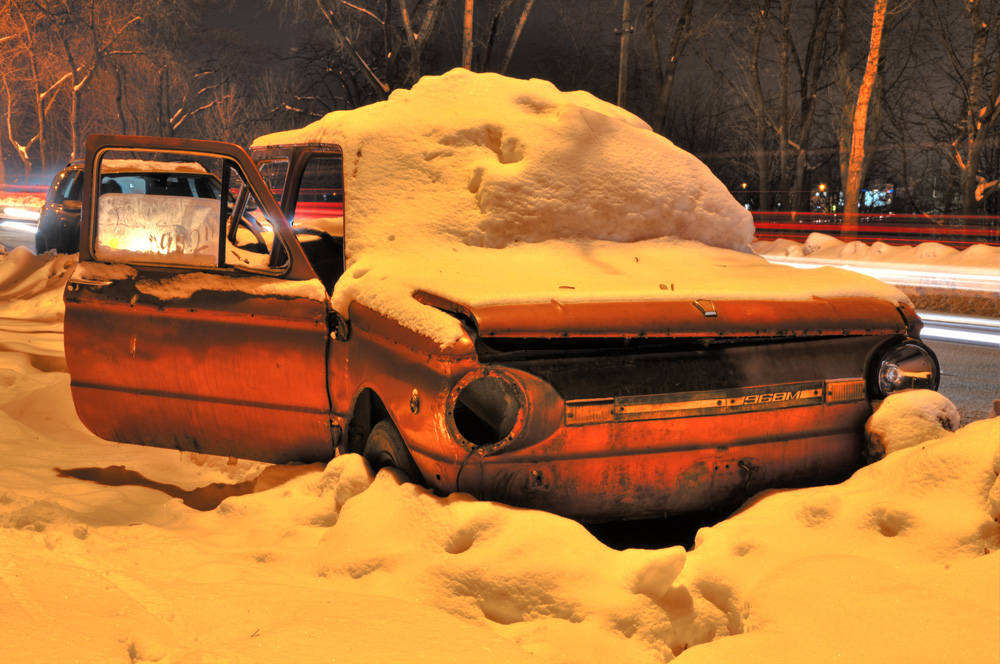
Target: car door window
157 229
274 172
169 210
67 186
320 204
250 238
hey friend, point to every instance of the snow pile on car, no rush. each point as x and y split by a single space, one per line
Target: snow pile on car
317 559
485 190
491 161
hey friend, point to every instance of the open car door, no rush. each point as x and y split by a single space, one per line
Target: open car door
184 335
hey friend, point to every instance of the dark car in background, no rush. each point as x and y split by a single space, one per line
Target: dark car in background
59 223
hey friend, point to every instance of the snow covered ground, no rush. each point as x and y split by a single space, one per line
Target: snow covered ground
121 553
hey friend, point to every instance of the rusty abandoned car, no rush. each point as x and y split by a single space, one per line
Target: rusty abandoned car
206 325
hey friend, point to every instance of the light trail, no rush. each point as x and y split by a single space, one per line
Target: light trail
20 226
977 280
964 329
961 336
21 213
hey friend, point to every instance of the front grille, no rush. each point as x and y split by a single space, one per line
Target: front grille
598 372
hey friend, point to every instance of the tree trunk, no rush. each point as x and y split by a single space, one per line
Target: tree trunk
467 35
665 73
623 55
981 115
517 35
760 109
852 191
784 113
809 77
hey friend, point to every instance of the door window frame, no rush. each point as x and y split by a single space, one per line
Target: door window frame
297 266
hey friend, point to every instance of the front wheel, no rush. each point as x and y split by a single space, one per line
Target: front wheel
385 448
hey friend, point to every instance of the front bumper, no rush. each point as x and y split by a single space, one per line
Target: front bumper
655 467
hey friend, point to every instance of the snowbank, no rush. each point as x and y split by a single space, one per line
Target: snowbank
933 276
979 258
103 556
31 304
486 190
137 554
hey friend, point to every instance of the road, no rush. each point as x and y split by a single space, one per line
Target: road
970 377
11 239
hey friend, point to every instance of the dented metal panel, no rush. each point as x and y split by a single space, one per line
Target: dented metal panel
224 373
667 466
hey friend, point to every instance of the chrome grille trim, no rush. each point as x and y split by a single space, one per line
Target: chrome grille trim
581 412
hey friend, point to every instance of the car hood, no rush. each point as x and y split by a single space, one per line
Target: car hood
676 318
562 288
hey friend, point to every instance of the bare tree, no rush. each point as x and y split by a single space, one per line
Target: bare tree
855 159
87 35
665 70
973 56
24 87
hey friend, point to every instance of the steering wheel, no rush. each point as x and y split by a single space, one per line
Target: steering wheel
249 223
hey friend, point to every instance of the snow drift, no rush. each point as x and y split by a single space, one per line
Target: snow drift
897 564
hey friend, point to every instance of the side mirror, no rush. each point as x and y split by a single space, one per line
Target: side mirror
71 205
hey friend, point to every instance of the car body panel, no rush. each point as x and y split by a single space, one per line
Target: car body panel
656 467
261 386
230 369
693 318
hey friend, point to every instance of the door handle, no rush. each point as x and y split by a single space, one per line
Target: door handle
95 283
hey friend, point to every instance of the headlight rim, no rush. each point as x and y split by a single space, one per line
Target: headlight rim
519 392
878 391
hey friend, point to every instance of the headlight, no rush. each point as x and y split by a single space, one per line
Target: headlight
908 366
486 410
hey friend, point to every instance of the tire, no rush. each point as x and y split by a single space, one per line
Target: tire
385 448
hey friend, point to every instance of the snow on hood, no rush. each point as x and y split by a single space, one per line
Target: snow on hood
483 190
